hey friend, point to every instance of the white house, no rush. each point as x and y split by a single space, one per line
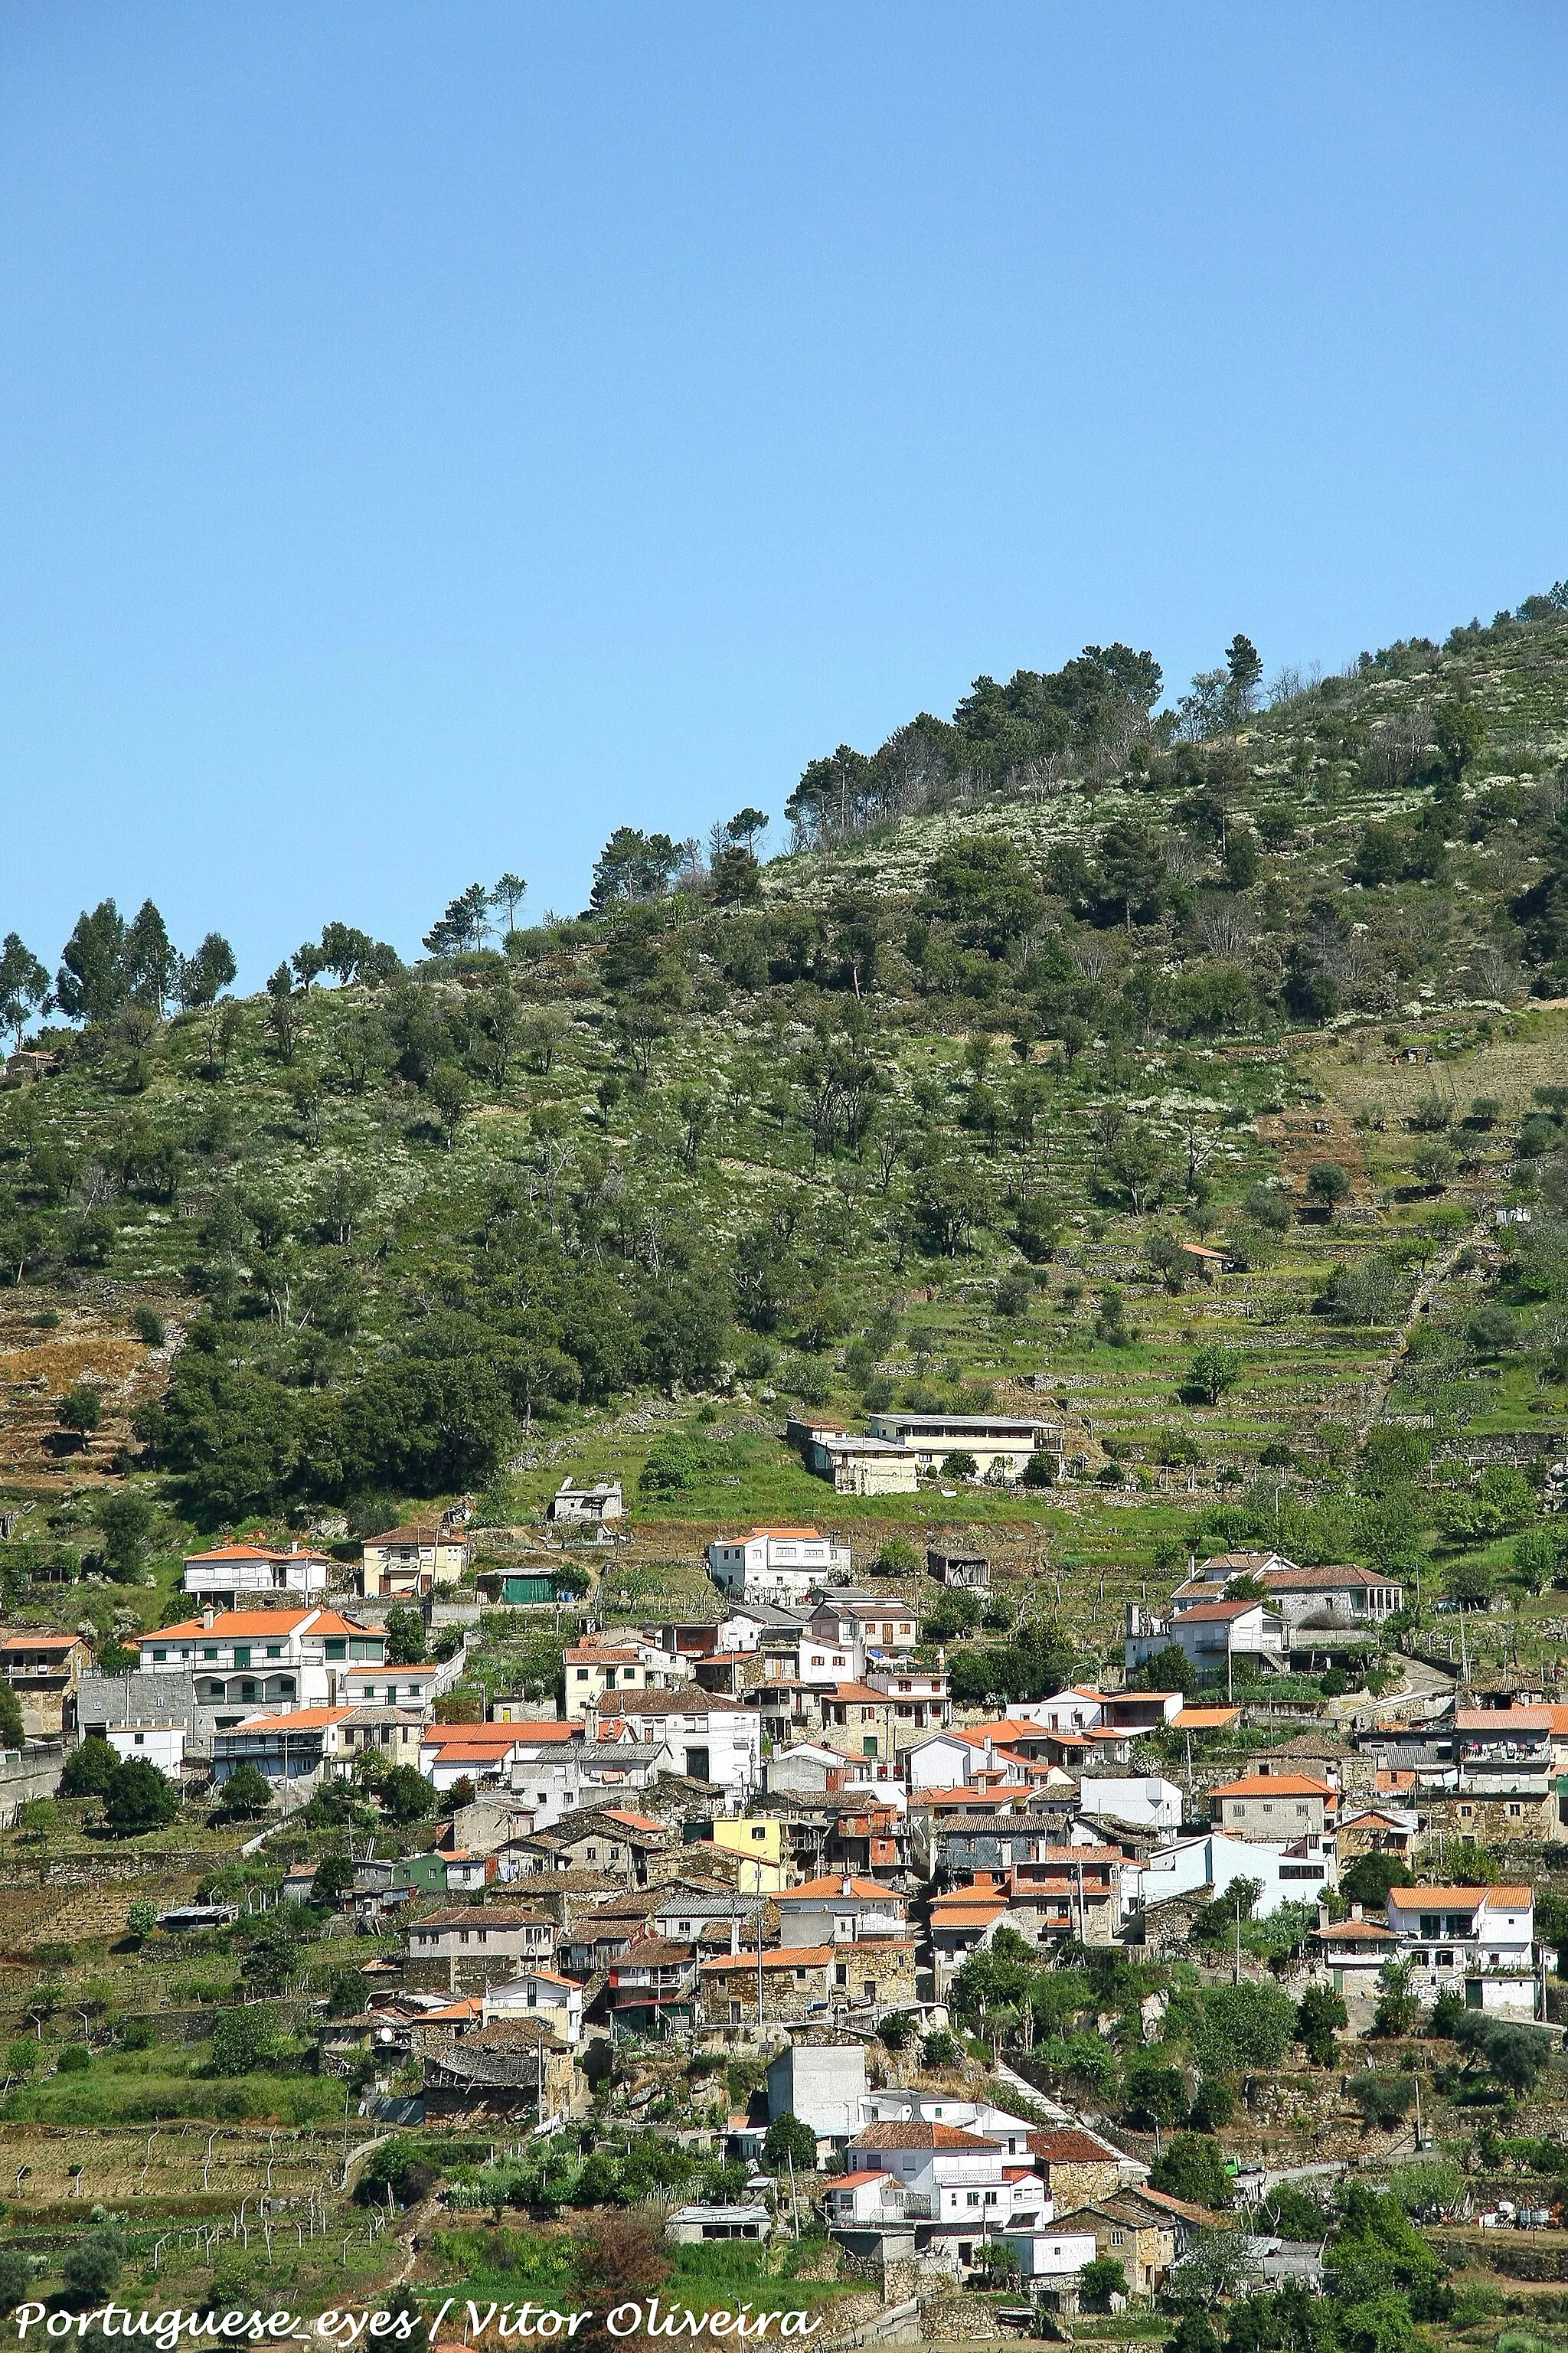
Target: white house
1481 1939
702 1734
1141 1799
823 2084
777 1565
245 1659
856 1465
838 1909
162 1744
1000 1444
946 1760
542 1993
817 1659
961 2180
230 1574
1047 2254
1208 1633
1298 1872
874 1622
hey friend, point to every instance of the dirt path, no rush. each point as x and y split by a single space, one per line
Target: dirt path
1425 1292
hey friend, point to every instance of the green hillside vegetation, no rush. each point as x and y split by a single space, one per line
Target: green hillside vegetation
924 1110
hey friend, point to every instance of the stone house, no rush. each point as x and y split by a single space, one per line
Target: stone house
1142 2229
1273 1805
475 1946
1078 2169
43 1670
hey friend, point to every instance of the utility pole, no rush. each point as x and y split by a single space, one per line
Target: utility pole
1236 1978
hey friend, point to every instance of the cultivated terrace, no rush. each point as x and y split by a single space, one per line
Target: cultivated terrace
841 1587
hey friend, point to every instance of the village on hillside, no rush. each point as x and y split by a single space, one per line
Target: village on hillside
929 1955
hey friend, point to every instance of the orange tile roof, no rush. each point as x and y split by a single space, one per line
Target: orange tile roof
226 1622
906 2135
1273 1785
299 1719
834 1883
1412 1899
784 1956
1203 1719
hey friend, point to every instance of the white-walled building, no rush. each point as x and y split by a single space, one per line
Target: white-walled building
838 1909
228 1575
999 1443
162 1744
1298 1871
1476 1940
702 1734
777 1565
1208 1633
246 1659
1143 1798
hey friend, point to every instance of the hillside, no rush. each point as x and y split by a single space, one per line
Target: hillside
922 1111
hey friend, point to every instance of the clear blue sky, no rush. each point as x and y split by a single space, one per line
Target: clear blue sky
435 435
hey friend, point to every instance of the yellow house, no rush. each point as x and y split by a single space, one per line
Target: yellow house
758 1839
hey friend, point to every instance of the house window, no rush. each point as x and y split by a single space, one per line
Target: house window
337 1647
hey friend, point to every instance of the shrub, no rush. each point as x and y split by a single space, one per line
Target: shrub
898 1557
789 2140
1491 1331
242 2040
15 2277
141 1798
90 1769
1215 2106
74 2060
245 1794
1321 2014
91 2267
1101 2279
1384 2100
1192 2167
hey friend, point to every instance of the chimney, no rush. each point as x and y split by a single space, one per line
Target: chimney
1357 1912
1322 1917
849 1887
207 1617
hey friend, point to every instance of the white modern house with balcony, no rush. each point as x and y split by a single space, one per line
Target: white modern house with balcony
1476 1941
783 1566
241 1661
232 1574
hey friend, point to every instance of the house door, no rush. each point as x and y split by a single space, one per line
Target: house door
697 1765
1474 1991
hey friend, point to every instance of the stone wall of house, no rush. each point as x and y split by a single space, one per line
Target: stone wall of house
459 1975
1078 2182
785 2002
1492 1819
